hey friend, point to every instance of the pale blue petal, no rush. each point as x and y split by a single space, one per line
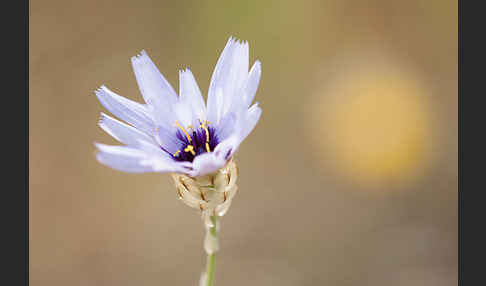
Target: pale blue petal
123 132
228 77
226 126
123 158
183 114
206 163
190 95
236 78
245 124
243 97
251 84
155 89
134 160
251 119
163 158
215 106
228 147
166 137
130 111
222 67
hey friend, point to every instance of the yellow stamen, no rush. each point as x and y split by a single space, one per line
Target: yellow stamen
190 148
185 132
203 126
176 153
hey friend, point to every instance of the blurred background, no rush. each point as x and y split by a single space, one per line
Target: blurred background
350 178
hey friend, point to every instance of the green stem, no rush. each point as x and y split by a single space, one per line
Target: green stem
211 257
210 270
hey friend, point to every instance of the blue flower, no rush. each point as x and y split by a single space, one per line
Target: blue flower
182 134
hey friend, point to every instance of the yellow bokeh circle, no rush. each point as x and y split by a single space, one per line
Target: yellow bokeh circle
373 126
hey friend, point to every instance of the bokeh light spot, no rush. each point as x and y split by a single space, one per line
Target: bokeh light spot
374 126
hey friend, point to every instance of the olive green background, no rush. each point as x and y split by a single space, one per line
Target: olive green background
350 177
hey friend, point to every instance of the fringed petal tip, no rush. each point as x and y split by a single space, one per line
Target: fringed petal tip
100 90
141 54
184 70
134 113
236 40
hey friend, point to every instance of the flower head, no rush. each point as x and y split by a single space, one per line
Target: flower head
180 133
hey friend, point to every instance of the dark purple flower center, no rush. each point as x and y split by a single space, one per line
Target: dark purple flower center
195 142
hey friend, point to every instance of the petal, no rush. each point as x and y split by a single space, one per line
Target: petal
226 126
122 132
250 121
155 89
228 77
123 158
183 114
190 94
215 110
164 158
219 72
133 160
251 84
168 140
206 163
228 147
237 76
130 111
243 128
243 97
